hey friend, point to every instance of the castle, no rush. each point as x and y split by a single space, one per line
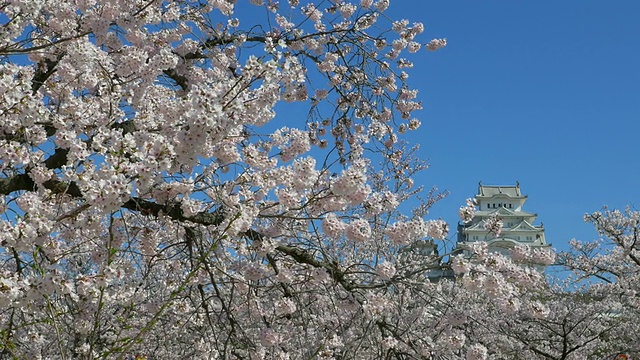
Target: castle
518 228
505 202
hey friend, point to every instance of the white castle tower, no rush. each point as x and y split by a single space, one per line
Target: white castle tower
506 203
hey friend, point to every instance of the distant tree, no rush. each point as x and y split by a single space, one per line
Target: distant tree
552 324
505 309
155 205
609 268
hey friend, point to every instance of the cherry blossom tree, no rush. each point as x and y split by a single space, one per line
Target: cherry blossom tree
503 307
609 268
190 179
548 324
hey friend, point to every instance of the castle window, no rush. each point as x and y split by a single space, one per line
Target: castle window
509 206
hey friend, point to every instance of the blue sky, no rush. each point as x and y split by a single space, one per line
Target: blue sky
543 92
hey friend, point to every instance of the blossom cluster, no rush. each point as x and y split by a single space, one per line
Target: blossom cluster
493 224
526 254
467 212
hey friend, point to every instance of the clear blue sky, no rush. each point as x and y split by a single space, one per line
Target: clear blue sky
544 92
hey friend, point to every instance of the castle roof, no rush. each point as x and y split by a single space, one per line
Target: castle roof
520 226
500 190
503 212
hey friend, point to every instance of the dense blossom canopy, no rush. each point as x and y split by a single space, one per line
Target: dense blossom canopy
170 168
206 179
